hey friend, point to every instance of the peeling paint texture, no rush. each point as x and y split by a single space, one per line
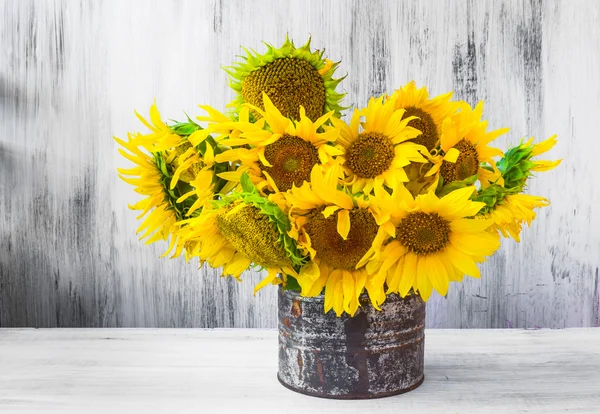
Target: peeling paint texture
71 74
370 355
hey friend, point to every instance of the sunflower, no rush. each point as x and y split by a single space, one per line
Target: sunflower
512 211
379 152
292 77
282 155
464 142
241 229
335 230
150 181
429 113
436 242
504 205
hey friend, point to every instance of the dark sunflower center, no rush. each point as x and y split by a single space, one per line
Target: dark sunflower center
289 83
329 245
252 233
424 233
370 155
192 171
292 159
465 166
429 135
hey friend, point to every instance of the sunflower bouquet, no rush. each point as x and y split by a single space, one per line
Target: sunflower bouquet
403 197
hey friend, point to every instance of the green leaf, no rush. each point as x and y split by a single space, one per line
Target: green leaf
292 284
247 185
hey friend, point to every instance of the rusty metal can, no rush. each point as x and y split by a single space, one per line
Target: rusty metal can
370 355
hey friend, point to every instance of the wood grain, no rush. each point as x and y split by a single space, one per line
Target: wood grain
190 371
71 74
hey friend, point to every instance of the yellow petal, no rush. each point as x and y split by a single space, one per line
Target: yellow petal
271 276
464 225
544 146
329 210
461 261
408 279
343 223
423 280
452 155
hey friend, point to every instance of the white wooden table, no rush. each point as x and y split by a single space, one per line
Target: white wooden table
223 371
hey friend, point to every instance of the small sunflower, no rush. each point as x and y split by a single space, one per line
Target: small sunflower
378 153
436 241
505 205
184 176
282 155
429 113
512 211
292 77
243 228
150 179
335 230
464 142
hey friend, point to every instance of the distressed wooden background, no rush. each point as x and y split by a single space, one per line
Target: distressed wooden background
71 74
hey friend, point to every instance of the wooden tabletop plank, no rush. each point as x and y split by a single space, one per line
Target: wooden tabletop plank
222 371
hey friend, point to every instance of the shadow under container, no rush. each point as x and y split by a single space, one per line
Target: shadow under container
370 355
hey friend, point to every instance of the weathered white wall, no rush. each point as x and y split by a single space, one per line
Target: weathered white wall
71 74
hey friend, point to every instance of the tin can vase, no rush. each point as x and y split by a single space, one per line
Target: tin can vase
370 355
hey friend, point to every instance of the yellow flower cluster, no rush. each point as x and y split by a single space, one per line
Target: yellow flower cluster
404 197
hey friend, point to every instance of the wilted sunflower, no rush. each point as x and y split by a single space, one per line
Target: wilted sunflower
378 153
336 230
436 241
292 77
239 230
283 154
464 143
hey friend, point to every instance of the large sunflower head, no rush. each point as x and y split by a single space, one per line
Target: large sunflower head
436 241
280 152
465 150
429 112
377 149
336 230
292 77
241 229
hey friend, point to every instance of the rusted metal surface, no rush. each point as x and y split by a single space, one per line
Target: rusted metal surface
373 354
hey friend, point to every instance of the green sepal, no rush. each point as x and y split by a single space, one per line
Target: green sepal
491 196
184 129
515 166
